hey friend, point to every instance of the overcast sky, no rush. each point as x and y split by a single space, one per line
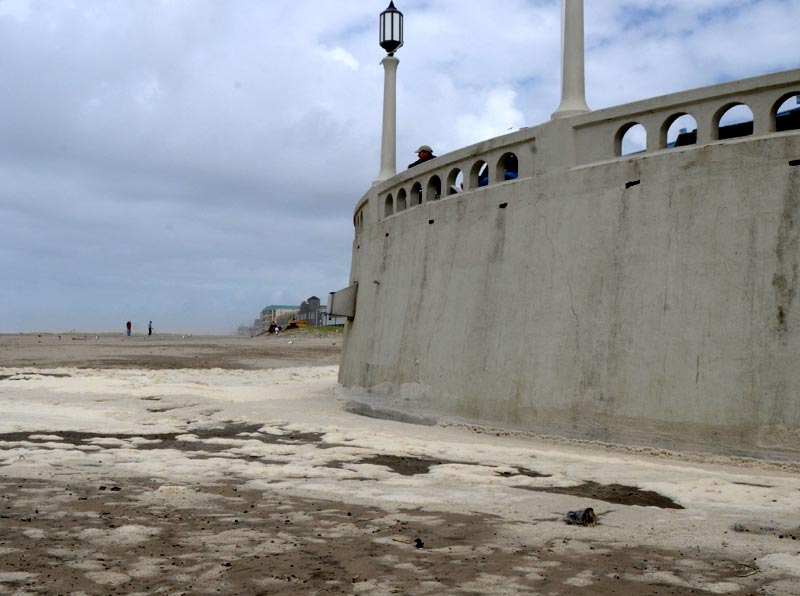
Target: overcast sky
192 161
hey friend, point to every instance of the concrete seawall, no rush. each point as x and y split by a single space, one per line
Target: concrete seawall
649 300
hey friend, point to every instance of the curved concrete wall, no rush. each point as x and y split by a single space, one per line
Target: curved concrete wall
649 299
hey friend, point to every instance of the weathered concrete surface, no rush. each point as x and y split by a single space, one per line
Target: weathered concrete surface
663 312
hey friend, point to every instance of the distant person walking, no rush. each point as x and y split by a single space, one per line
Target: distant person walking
128 326
150 328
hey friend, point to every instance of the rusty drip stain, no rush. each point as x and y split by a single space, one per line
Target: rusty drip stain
697 371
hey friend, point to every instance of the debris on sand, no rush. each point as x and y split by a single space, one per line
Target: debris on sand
781 530
581 517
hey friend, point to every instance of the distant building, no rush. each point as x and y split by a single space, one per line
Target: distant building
312 312
315 314
279 313
334 320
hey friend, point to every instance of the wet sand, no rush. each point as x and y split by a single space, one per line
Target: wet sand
169 351
206 488
116 540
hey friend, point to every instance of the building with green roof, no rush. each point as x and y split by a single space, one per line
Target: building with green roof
278 313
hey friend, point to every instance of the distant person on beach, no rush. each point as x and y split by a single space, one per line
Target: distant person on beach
425 153
128 326
150 328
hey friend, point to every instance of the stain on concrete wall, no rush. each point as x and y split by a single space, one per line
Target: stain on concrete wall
785 279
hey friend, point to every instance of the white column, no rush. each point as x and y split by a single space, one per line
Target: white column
573 87
389 135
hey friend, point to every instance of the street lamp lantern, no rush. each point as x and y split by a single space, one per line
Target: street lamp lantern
391 39
391 29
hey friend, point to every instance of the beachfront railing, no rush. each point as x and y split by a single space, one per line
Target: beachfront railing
460 172
589 138
599 135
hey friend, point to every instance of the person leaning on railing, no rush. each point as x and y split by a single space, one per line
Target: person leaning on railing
425 153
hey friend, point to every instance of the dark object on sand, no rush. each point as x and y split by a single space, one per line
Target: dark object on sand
582 517
781 530
418 543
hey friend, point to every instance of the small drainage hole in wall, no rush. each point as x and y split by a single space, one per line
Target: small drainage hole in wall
430 221
632 183
795 162
503 205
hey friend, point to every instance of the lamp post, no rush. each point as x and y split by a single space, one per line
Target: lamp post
573 86
391 39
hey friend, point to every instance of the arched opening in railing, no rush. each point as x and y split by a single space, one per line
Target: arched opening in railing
630 138
416 195
507 167
401 200
679 130
388 207
455 181
434 190
785 114
733 120
479 175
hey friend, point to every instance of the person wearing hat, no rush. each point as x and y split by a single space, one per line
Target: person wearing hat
425 153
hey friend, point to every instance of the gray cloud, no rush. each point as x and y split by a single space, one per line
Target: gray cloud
192 161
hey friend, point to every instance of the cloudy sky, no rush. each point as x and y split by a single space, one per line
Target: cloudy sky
192 161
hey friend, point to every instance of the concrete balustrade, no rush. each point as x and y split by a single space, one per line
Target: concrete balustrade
435 181
598 134
578 141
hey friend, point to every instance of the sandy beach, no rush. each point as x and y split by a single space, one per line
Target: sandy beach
224 465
